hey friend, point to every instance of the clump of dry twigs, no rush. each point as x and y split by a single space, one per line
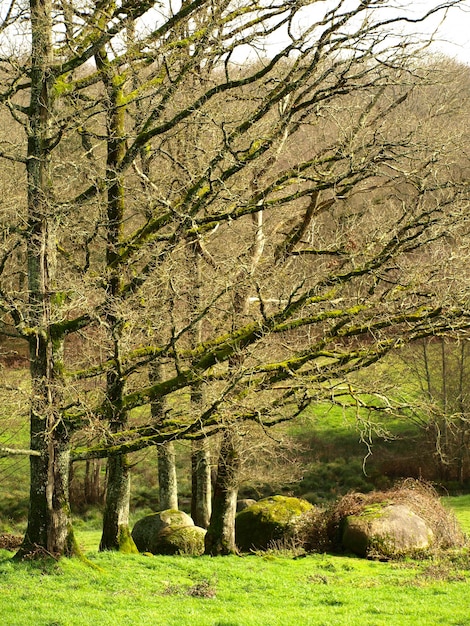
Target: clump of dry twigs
10 542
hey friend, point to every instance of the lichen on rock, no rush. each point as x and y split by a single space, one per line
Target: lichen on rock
182 540
268 521
168 532
387 530
402 521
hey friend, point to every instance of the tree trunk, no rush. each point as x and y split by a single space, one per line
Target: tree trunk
201 484
92 484
49 528
220 537
201 505
167 481
116 533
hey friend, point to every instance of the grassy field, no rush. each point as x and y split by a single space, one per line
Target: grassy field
228 591
273 589
461 507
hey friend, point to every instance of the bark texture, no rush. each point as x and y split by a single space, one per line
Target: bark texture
116 534
49 528
201 492
167 482
220 537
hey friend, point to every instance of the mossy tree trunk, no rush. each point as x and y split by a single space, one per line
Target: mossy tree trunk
220 537
49 528
116 534
201 485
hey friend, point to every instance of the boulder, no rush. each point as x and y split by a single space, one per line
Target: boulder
181 540
147 531
386 530
268 520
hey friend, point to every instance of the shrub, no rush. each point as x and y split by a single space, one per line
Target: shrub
311 531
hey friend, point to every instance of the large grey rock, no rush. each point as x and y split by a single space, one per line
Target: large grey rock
267 521
148 530
386 530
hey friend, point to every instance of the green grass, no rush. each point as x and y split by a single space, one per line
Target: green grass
461 507
273 589
227 591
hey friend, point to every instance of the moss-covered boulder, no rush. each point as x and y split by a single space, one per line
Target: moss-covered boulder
386 530
267 521
148 530
181 540
404 520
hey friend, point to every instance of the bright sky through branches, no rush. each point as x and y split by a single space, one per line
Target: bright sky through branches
449 29
444 31
453 35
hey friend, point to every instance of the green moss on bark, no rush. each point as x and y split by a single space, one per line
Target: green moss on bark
125 541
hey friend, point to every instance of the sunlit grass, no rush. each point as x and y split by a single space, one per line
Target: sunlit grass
274 589
461 507
249 591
